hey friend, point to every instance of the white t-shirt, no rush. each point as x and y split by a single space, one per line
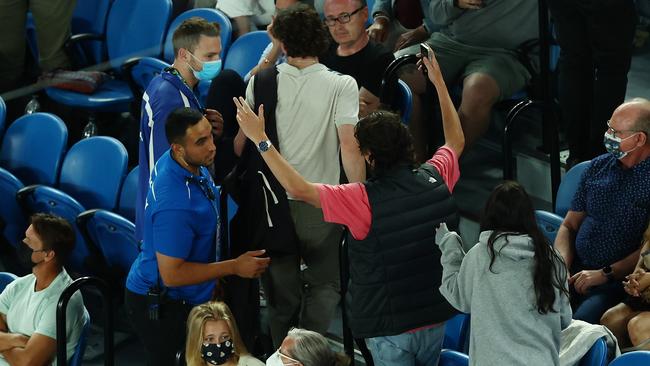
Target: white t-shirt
260 10
28 311
248 360
312 103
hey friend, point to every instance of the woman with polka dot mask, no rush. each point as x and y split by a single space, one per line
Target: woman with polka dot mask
213 338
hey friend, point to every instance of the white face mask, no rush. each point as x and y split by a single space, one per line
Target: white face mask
276 360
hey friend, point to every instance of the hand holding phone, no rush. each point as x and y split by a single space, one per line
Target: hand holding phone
425 50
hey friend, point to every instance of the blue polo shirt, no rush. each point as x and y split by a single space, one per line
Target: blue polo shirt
616 201
181 221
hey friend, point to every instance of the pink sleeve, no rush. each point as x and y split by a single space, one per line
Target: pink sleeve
446 162
346 204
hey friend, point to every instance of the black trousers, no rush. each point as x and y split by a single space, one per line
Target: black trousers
161 338
595 37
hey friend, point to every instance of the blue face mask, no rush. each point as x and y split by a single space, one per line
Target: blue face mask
209 71
613 145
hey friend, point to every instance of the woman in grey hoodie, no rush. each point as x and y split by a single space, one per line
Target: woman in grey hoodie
512 282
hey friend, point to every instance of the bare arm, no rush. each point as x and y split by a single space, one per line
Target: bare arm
368 102
566 236
270 58
10 340
253 126
39 350
177 272
626 265
353 162
454 137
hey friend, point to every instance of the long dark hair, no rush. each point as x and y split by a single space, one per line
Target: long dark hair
509 211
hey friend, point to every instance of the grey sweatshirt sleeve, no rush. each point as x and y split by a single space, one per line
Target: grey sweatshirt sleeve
457 272
444 12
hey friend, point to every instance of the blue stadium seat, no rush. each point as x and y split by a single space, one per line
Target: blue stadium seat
636 358
246 51
453 358
134 28
5 279
93 171
597 355
145 69
370 4
209 14
33 148
91 177
90 17
3 115
456 333
126 206
80 349
404 101
113 236
550 222
12 221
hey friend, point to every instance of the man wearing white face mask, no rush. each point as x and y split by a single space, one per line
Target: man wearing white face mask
600 237
196 48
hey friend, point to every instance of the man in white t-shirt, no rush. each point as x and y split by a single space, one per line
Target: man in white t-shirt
315 115
28 305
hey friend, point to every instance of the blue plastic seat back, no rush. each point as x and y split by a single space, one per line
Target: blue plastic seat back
146 69
11 216
211 15
129 191
453 358
5 279
114 236
90 17
136 28
597 355
33 148
246 51
404 101
456 332
636 358
3 116
93 171
548 223
370 4
568 188
80 349
50 200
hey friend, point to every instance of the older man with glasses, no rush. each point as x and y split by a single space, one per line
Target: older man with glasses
353 52
600 237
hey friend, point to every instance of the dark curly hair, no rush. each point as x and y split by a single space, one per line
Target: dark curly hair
301 31
386 140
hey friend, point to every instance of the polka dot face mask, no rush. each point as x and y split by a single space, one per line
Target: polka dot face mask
217 353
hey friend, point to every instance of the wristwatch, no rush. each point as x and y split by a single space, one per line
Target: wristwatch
264 146
609 273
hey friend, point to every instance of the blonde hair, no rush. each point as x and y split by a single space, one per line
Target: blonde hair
200 314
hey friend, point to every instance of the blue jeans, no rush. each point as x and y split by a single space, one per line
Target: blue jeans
592 306
421 348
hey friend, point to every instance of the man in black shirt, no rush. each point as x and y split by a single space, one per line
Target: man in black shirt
354 53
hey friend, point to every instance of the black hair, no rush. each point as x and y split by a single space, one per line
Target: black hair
179 121
509 211
386 140
56 233
301 30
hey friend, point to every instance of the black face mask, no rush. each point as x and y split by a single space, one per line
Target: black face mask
24 253
217 353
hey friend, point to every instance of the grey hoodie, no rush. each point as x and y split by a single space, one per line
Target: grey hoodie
506 328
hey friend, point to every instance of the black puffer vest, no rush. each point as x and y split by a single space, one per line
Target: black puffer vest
395 272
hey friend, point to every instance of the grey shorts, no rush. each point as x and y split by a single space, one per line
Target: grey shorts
457 61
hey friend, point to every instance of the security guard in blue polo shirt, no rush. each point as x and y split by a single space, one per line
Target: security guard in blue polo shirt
178 264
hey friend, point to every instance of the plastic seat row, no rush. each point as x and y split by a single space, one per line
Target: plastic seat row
37 175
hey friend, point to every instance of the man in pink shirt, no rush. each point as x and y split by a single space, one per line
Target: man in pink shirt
395 269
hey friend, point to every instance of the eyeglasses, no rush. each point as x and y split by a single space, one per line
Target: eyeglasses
614 132
342 18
